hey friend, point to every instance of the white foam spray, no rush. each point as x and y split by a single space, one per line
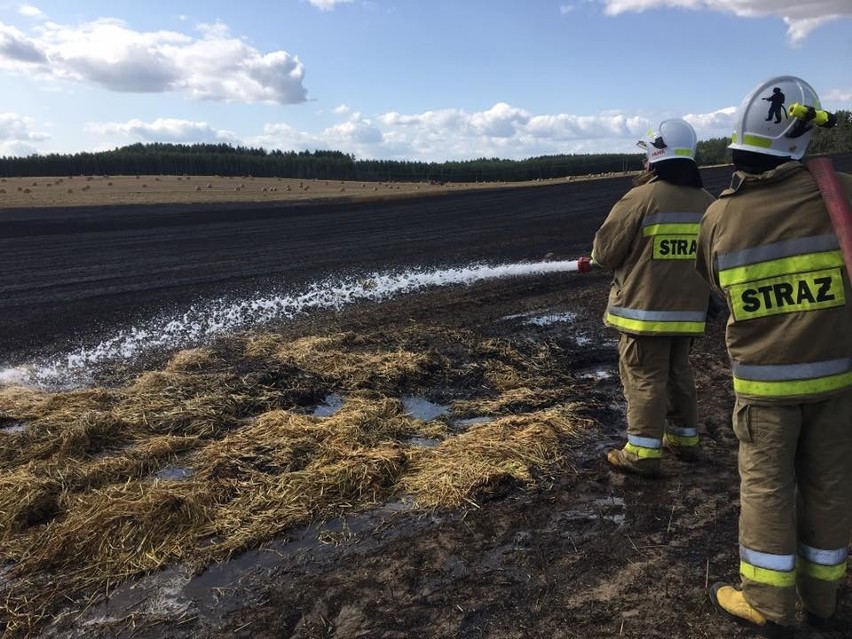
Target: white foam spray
202 322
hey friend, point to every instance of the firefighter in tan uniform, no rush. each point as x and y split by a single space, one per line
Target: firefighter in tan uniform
769 247
657 301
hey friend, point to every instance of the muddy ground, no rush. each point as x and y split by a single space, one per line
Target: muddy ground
585 553
581 552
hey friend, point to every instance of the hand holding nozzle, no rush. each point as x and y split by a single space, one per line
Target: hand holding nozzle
812 114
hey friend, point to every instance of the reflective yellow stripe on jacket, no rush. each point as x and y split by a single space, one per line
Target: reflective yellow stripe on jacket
795 276
674 235
792 380
656 322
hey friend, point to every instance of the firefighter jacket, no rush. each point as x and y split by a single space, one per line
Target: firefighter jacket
649 240
768 245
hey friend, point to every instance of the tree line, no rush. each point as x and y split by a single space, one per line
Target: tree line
227 160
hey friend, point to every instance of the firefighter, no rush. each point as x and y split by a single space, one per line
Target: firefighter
768 246
657 301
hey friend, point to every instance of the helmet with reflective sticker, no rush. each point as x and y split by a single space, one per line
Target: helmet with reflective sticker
673 139
763 124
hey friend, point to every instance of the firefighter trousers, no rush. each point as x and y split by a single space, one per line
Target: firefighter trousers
659 387
795 465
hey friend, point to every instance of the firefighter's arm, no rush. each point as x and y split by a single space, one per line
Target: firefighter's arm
614 238
704 263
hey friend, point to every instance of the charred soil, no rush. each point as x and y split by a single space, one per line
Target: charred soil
579 552
567 549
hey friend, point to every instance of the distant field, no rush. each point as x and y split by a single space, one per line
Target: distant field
80 190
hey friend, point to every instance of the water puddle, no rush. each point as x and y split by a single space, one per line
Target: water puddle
544 319
331 404
312 544
611 509
553 318
176 473
461 425
598 374
13 427
179 591
472 421
423 409
413 406
423 442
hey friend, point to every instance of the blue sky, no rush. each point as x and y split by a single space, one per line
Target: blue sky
402 79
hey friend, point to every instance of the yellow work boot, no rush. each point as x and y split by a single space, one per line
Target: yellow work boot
625 463
731 602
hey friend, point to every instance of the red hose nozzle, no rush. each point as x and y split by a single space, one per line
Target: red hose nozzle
584 264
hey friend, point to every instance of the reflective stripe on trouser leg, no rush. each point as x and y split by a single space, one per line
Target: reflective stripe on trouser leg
644 447
765 568
824 512
768 437
643 365
677 436
825 565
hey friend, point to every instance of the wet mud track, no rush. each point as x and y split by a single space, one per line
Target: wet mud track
588 553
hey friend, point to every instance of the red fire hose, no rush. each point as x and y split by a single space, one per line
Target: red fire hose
837 203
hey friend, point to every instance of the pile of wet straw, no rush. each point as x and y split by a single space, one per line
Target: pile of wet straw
219 452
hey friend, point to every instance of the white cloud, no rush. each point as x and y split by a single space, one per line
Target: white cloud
501 131
16 148
163 130
328 5
106 52
30 11
353 132
838 96
17 135
717 124
500 121
285 137
356 135
800 16
798 30
18 127
16 50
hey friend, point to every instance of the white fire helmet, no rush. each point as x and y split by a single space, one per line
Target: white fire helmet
673 139
763 125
